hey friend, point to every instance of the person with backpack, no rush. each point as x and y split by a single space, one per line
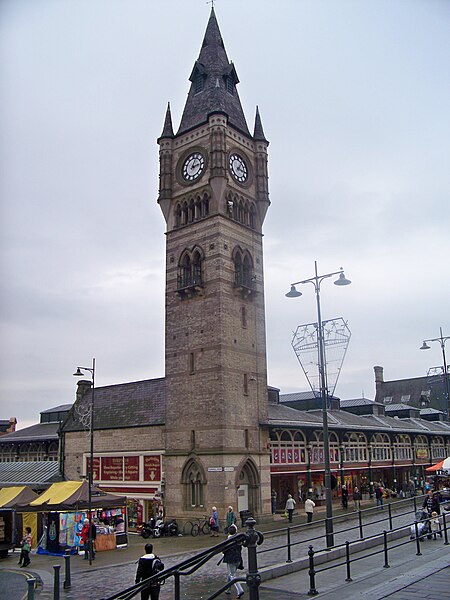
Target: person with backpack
232 557
148 565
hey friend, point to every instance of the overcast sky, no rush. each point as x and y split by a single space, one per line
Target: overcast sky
354 97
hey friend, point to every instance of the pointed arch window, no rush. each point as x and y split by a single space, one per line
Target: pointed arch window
244 280
191 210
241 210
193 479
190 273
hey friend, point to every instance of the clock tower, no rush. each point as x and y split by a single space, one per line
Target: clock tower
214 196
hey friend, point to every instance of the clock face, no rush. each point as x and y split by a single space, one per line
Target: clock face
238 168
193 166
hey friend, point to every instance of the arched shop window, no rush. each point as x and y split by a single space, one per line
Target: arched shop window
421 449
402 447
355 447
287 447
438 447
317 450
381 447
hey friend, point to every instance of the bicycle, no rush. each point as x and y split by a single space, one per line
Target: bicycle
197 527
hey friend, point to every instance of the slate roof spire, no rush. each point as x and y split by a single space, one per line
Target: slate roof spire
258 133
213 84
167 131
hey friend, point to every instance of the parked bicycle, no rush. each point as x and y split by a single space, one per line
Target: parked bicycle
197 527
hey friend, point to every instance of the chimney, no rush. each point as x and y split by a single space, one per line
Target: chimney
83 386
12 425
378 376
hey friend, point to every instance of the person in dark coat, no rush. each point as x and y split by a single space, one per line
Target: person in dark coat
232 557
344 494
149 565
431 503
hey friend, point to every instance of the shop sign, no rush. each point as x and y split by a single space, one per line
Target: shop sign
422 453
152 468
112 468
96 469
131 466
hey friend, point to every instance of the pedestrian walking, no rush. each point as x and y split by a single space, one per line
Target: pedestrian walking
25 548
290 505
344 496
84 535
230 519
379 496
214 522
273 501
232 557
309 509
431 503
356 498
148 565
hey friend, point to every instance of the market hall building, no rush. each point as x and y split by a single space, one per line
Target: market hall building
207 434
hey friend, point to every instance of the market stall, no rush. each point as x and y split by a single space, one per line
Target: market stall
10 525
64 507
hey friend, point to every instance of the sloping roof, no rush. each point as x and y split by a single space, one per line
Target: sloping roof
35 474
294 396
338 419
213 65
135 404
10 497
430 411
399 406
350 403
60 408
40 431
413 387
69 495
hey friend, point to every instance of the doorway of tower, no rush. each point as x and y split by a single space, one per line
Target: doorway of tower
243 497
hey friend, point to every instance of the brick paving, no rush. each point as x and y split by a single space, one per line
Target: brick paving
114 571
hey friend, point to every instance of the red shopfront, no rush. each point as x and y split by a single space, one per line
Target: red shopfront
137 476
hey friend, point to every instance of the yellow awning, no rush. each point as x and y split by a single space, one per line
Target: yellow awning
8 494
57 493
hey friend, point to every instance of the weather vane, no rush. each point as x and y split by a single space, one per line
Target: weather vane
211 2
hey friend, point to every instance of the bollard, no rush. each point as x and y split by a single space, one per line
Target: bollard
390 516
56 582
289 557
445 530
386 564
347 560
67 583
361 534
312 573
176 577
31 584
418 553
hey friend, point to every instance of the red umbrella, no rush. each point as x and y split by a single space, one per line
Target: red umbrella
437 467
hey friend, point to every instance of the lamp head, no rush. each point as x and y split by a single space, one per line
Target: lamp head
78 373
424 346
342 280
293 293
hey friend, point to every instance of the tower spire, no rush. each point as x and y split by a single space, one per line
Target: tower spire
213 84
167 131
258 132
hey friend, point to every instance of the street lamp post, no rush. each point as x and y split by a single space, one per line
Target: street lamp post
441 339
79 373
294 293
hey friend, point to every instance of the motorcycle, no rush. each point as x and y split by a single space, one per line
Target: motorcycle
157 528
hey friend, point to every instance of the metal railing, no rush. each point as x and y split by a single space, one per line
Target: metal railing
367 517
250 539
384 551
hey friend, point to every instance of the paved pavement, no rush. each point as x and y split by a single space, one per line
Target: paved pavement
113 571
